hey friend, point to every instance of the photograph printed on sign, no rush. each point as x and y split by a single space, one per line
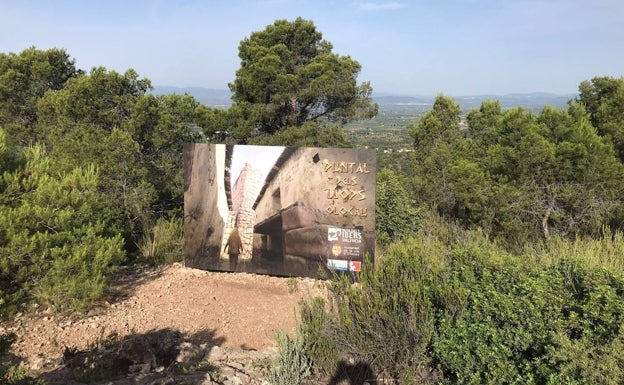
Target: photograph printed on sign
289 211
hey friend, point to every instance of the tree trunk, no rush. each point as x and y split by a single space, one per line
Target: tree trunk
545 218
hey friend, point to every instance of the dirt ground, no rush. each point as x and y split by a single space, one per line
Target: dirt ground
223 309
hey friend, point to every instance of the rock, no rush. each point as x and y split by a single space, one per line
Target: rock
189 354
158 348
216 354
38 363
244 378
228 372
233 381
139 368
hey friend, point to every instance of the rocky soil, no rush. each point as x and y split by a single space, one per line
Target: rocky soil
167 325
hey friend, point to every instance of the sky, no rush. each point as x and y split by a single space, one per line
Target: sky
261 158
426 47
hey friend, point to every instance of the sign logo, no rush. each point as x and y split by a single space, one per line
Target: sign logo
337 234
333 233
355 266
337 264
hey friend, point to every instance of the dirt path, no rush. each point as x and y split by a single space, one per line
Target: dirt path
224 309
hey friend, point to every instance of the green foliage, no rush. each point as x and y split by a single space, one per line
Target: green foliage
54 237
165 242
102 98
520 177
603 98
438 143
316 329
161 125
485 118
396 216
440 124
500 335
292 364
123 178
61 215
26 77
605 251
567 177
310 134
135 138
289 75
466 312
387 319
10 159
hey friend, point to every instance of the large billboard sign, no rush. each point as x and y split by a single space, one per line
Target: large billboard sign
290 211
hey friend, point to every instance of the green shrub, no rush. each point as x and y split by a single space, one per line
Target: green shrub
317 331
606 251
77 273
396 215
534 324
502 332
387 319
292 365
164 244
54 240
468 313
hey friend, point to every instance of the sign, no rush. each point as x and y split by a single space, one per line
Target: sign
278 210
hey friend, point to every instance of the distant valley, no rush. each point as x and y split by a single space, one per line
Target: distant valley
535 101
388 131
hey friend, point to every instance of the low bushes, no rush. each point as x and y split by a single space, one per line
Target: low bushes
472 314
164 243
55 242
291 365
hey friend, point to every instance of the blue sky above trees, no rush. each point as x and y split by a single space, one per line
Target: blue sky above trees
458 47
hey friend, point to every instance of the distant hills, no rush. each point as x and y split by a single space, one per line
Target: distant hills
209 96
535 101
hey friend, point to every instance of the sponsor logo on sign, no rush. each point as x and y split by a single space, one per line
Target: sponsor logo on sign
336 250
344 235
355 265
338 264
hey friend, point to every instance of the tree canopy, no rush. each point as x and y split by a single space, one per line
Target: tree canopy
603 98
90 163
26 76
519 176
289 75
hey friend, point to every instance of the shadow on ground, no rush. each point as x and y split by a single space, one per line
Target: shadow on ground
352 373
155 354
123 282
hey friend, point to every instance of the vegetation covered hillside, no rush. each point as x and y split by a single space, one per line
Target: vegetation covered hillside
500 244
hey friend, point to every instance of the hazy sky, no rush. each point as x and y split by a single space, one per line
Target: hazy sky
261 158
458 47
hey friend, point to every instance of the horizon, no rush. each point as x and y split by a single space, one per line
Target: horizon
405 48
376 94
